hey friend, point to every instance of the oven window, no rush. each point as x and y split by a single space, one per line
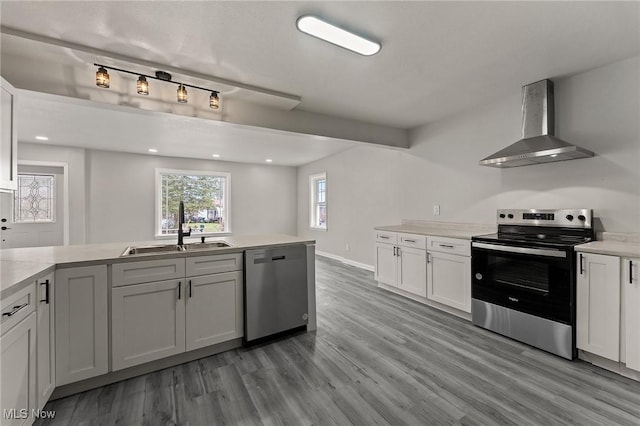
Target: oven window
527 274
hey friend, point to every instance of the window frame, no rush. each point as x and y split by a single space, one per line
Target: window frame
158 205
313 195
54 200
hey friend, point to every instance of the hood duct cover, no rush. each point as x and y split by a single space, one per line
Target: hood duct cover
538 145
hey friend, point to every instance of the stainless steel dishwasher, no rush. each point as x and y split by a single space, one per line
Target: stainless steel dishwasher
275 291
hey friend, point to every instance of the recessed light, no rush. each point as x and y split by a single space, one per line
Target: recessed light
152 150
335 35
42 138
268 160
553 155
216 155
498 164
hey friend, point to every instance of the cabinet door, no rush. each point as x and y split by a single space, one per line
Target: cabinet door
8 137
147 322
386 264
598 305
18 370
631 284
214 309
46 366
412 270
81 323
449 280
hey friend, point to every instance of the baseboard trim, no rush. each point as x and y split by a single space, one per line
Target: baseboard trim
346 261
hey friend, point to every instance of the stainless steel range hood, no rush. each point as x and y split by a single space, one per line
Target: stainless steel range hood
538 145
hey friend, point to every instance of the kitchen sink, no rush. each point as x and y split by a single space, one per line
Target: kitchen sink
152 249
202 246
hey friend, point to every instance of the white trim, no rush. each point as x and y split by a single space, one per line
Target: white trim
65 188
346 261
227 199
312 200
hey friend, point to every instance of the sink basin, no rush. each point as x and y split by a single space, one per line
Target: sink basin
152 249
203 246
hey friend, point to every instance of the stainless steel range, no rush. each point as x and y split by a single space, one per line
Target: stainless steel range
523 277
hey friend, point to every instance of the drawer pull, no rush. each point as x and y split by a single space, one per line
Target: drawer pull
384 237
16 309
446 246
410 241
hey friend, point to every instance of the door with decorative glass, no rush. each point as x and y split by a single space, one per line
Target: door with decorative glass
34 212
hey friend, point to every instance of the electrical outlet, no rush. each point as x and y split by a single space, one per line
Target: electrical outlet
436 209
346 247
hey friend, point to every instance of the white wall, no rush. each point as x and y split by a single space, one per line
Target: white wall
75 158
369 186
113 193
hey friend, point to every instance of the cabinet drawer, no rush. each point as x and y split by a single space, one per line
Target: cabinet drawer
449 245
18 306
147 271
386 237
205 265
412 240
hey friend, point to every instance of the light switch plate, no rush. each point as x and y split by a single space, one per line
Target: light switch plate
436 209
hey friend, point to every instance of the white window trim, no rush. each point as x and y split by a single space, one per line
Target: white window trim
227 204
312 200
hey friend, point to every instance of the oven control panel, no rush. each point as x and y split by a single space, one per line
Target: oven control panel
568 218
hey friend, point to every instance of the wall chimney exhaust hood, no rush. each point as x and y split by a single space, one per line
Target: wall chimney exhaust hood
538 145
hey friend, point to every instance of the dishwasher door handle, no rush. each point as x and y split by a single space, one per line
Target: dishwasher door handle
278 258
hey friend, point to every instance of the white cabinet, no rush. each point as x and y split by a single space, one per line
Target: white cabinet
18 358
449 272
8 138
81 323
631 322
148 322
214 309
598 305
158 319
46 356
401 261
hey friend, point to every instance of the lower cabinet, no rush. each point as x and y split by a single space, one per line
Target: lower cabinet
46 349
155 320
598 305
147 322
631 289
400 261
412 274
449 280
82 346
214 309
18 372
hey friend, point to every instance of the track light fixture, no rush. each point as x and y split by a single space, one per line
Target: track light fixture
142 85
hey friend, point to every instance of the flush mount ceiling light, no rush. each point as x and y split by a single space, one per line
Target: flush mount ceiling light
42 138
338 36
142 85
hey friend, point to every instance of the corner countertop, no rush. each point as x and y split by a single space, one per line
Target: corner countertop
613 244
20 266
440 229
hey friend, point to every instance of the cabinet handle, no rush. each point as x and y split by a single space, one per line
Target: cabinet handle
409 241
384 237
46 292
581 269
189 289
446 246
630 272
394 251
179 290
16 309
428 257
398 251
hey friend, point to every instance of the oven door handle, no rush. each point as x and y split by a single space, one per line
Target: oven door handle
523 250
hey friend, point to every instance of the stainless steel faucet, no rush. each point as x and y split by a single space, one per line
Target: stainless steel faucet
181 233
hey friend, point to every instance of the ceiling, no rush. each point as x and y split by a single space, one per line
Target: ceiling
437 58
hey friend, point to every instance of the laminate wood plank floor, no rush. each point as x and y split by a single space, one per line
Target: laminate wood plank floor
376 359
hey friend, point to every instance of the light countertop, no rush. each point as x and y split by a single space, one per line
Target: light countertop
440 229
20 266
612 248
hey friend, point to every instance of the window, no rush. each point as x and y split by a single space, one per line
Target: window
35 199
318 192
205 196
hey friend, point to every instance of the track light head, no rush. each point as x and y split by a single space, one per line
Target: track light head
142 85
182 94
102 78
214 100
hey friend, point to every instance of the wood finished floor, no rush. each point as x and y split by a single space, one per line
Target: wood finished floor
376 359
